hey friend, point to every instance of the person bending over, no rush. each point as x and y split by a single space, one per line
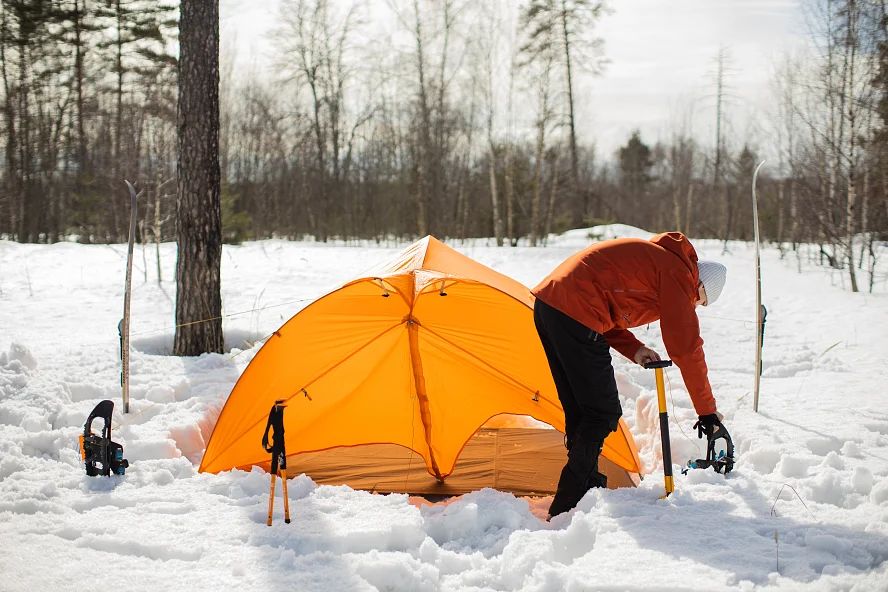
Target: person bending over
587 305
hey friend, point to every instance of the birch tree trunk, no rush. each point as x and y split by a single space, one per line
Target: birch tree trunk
852 114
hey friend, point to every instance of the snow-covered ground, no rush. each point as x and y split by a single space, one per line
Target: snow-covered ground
822 432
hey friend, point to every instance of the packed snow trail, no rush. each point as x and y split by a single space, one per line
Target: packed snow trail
823 429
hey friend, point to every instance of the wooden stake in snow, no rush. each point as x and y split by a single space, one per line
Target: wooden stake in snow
124 327
758 293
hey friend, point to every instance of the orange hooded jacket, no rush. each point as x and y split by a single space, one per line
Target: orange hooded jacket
628 282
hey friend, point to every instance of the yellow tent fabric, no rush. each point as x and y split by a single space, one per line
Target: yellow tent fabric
419 352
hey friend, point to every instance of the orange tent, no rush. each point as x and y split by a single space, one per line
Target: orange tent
418 353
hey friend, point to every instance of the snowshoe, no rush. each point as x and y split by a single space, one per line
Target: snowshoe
100 455
721 461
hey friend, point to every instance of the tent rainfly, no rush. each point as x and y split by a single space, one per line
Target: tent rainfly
396 371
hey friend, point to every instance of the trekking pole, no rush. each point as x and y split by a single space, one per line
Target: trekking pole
286 497
664 422
271 499
278 452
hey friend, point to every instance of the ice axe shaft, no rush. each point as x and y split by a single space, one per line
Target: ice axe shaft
664 422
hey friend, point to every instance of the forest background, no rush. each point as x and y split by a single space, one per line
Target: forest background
391 119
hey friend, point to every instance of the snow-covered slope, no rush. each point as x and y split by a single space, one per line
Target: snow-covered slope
822 432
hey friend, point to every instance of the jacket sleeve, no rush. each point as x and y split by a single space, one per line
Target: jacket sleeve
681 336
623 341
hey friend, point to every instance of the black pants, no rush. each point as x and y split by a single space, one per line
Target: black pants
580 361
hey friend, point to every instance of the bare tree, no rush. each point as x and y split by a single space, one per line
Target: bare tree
567 24
544 114
489 40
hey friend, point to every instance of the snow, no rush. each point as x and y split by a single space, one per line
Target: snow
809 489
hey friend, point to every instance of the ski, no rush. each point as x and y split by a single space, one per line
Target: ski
759 333
123 328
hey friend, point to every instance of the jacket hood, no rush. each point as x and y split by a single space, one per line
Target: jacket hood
679 245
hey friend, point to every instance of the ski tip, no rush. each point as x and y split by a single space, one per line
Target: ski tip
132 192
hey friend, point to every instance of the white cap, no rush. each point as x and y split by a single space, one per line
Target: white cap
713 276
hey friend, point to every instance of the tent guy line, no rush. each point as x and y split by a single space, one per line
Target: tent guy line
225 316
190 382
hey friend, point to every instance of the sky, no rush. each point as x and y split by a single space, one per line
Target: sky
661 59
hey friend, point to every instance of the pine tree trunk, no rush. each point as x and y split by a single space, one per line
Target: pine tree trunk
689 203
198 208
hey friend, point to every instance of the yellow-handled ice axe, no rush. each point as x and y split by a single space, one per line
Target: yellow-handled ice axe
664 422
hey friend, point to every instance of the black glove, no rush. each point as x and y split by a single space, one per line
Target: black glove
715 430
707 424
